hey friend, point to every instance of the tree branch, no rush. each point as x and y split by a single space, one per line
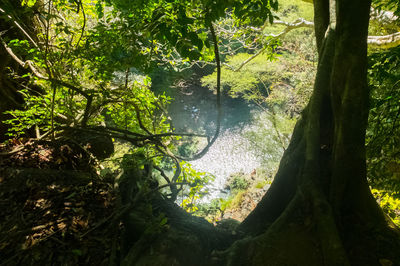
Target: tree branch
219 111
384 42
84 22
383 16
378 42
28 63
19 27
299 23
25 64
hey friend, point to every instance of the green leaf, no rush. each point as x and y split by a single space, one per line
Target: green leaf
28 3
196 40
77 252
164 221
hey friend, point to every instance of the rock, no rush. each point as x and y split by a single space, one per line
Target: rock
248 202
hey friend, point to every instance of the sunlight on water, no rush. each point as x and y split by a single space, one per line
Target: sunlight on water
231 153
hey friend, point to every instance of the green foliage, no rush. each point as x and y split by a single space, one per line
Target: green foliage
197 181
390 203
238 182
94 57
285 82
36 114
246 83
262 184
383 131
270 137
187 149
255 12
280 76
182 25
137 100
290 10
234 201
28 3
392 5
210 211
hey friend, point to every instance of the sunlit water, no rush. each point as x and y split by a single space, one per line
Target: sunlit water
231 153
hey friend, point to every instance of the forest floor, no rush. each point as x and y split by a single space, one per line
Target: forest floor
54 209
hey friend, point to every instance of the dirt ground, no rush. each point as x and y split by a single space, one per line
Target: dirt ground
54 208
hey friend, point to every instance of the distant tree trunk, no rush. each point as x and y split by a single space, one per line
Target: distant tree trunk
320 202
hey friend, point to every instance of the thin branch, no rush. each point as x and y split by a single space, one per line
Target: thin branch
379 42
71 87
125 96
25 64
219 109
86 113
139 118
299 23
140 137
19 27
163 174
84 22
382 42
246 61
178 170
173 184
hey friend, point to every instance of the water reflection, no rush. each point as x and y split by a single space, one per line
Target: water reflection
231 153
197 112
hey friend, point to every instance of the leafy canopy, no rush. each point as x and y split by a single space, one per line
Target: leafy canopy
90 61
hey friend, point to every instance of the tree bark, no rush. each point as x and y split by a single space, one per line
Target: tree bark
320 192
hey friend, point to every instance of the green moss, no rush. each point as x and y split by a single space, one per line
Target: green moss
233 202
261 184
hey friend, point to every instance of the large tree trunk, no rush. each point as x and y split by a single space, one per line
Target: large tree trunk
320 203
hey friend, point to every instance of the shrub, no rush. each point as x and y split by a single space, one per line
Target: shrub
390 203
238 182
